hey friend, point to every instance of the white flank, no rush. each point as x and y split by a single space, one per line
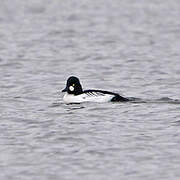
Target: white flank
87 97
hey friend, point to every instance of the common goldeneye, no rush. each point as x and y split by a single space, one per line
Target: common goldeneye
75 93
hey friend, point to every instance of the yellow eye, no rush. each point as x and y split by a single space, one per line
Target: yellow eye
73 84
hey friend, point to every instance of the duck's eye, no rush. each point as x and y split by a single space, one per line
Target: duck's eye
71 88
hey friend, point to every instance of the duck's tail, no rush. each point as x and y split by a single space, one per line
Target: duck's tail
118 98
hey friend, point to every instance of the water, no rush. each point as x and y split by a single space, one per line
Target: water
130 47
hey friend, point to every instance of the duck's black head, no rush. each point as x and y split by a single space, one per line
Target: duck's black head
73 86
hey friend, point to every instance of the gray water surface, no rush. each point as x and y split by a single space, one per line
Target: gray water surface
130 47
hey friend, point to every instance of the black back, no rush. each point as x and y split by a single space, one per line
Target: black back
116 97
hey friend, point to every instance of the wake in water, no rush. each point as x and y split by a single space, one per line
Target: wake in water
161 100
131 100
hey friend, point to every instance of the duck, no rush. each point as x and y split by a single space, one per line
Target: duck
74 93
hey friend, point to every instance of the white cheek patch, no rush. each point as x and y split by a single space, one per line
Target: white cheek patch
71 88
